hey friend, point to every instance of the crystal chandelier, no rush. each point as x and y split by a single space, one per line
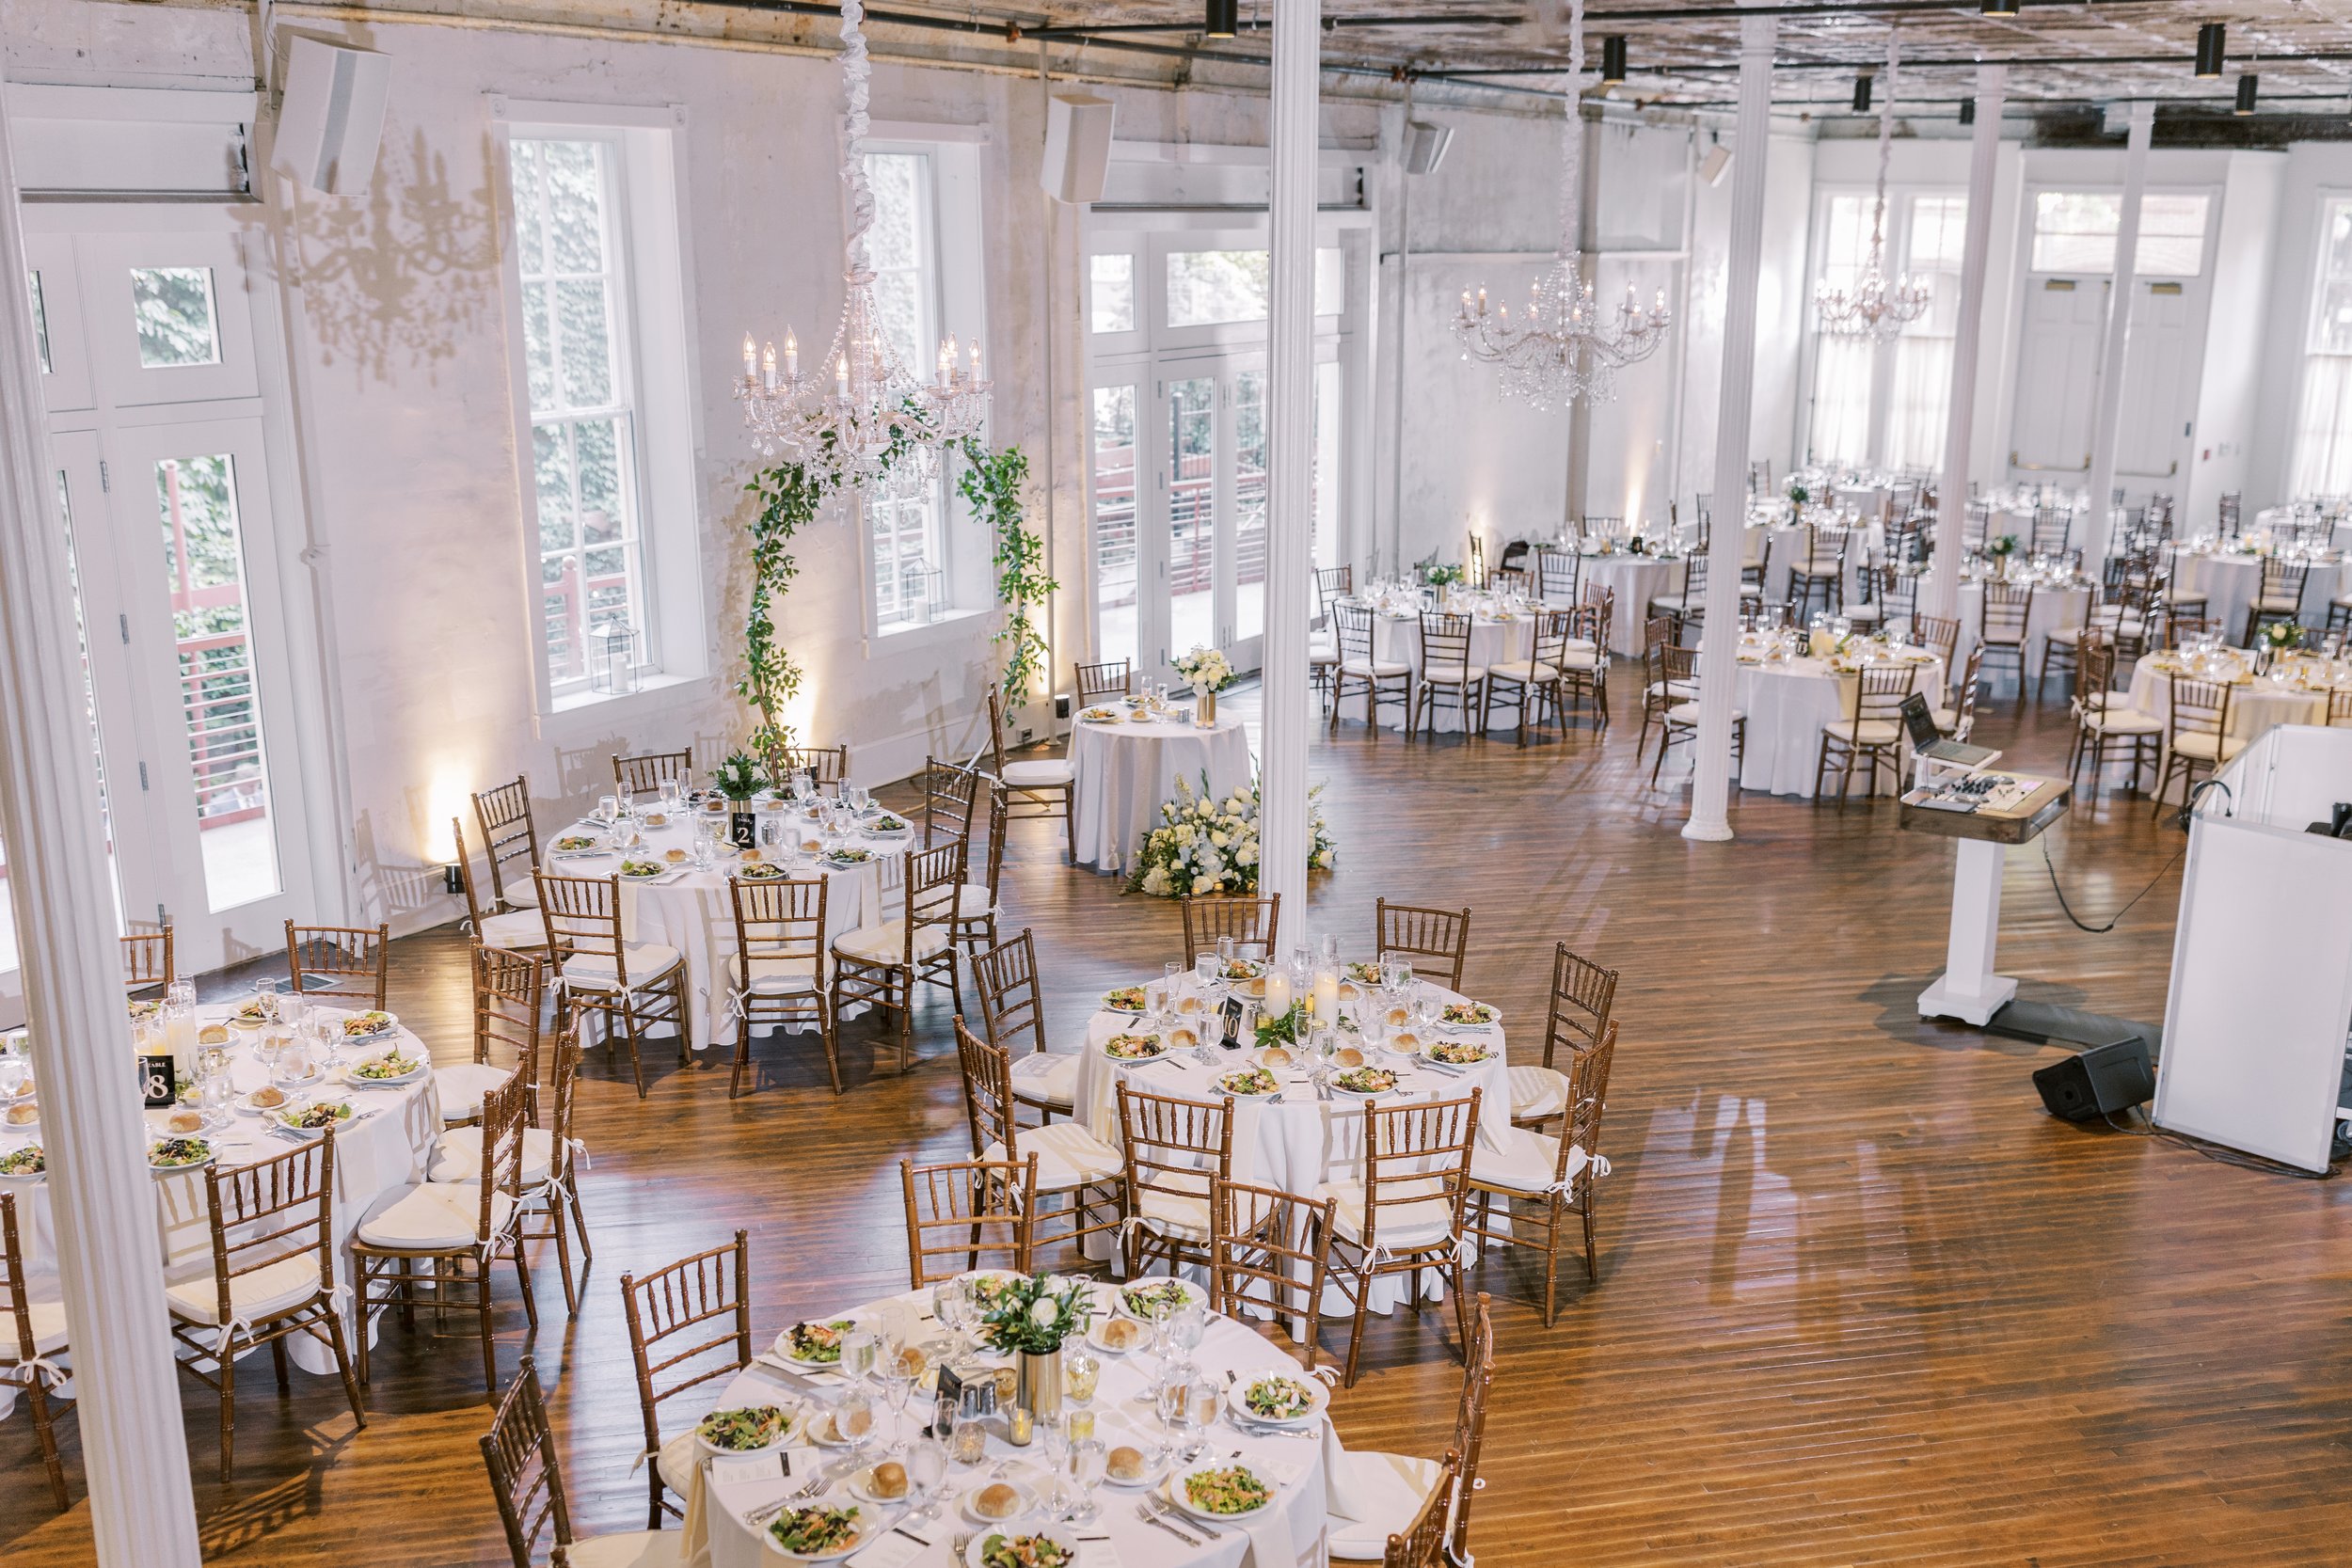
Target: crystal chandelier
1873 307
860 413
1563 351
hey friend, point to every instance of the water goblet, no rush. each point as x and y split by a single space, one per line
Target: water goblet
627 798
926 1468
859 1349
1084 1468
853 1417
1205 971
13 1072
1187 1326
898 1386
1172 1402
1202 1396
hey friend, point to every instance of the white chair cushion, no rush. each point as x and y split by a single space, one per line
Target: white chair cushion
1522 1160
2342 601
973 902
48 1330
1392 1488
1067 1156
1676 602
1454 674
2277 604
882 944
516 928
254 1298
1378 669
2201 745
1527 670
647 962
1537 1092
1582 645
1043 1078
1425 1223
1582 658
1688 713
521 890
1865 732
461 1088
1687 691
428 1215
2066 636
1178 1215
771 977
1034 775
644 1548
2120 719
457 1156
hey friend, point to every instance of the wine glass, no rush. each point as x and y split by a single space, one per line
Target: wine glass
859 1351
926 1467
1052 1440
1186 1325
627 797
1172 1402
898 1386
13 1070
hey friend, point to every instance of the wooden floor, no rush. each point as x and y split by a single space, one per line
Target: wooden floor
1861 1301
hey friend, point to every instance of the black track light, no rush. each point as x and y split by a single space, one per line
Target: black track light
2210 48
1999 7
1613 60
1224 19
1862 95
2245 90
1967 111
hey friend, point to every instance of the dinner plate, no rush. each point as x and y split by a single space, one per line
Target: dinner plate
1121 1008
1429 1051
24 1176
1095 1335
861 1487
1193 1293
1338 1088
391 1024
277 1118
1059 1536
1179 1493
1223 1087
1237 1401
793 1424
409 1077
783 1343
1154 1469
1148 1056
1028 1501
866 1530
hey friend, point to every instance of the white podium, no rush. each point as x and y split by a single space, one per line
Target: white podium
1969 989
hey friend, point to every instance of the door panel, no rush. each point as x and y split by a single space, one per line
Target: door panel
2158 396
167 317
57 287
1192 516
1112 462
2057 377
1246 629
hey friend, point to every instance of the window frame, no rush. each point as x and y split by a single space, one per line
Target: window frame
1902 216
2205 239
2332 200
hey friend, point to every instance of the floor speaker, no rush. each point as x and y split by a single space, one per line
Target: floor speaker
2098 1082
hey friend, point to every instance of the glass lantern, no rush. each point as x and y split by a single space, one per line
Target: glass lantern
613 659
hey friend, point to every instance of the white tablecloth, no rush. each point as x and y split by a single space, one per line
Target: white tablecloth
1787 704
2230 582
2255 706
1123 1416
1396 640
1792 546
1126 771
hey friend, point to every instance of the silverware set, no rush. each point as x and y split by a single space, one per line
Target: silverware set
1145 1512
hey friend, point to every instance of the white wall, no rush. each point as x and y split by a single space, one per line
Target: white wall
2229 394
2313 171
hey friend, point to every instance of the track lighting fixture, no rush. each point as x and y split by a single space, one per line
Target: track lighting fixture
2245 90
2210 46
1967 111
1999 7
1223 20
1613 60
1862 95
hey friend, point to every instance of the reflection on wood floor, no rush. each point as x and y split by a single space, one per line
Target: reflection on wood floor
1861 1301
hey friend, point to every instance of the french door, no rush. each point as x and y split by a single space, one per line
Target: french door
163 479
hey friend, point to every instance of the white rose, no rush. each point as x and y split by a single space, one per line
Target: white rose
1212 884
1043 1311
1218 839
1155 882
1248 855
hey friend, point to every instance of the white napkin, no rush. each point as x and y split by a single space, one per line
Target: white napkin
727 1469
1097 1551
898 1547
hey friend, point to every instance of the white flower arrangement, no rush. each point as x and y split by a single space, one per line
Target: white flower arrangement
1204 669
1211 845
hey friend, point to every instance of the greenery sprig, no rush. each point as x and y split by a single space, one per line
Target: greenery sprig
992 483
1033 1317
1288 1029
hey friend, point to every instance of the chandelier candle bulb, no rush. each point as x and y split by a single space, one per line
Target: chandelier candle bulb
768 368
751 357
791 355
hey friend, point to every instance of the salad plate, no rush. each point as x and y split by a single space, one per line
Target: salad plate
747 1428
1046 1546
820 1532
1364 1083
1221 1491
1134 1047
1126 999
815 1344
1138 1301
25 1164
1278 1399
1248 1083
392 1067
368 1025
170 1156
1457 1052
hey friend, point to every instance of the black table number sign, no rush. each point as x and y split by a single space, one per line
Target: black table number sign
158 1083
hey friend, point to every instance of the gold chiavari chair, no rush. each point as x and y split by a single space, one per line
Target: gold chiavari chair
1405 1215
2060 644
978 904
1253 920
35 1335
1399 1488
967 1214
1584 663
1422 1543
509 989
1958 722
2340 706
1687 604
146 960
2006 612
1012 1009
1445 670
1658 693
1437 941
2281 597
1173 1150
1322 642
2052 526
1556 575
550 1176
2197 737
1530 683
1035 787
601 974
690 1323
460 1229
881 964
1380 680
511 840
2105 723
1940 635
1111 678
518 1451
950 791
776 973
516 930
2340 613
648 771
824 764
1823 571
1270 1249
1681 720
1582 995
2181 629
1552 1172
1072 1162
1870 732
1602 600
273 1275
344 963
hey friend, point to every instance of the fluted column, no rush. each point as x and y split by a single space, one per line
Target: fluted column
1291 454
1719 670
1960 416
102 1198
2092 537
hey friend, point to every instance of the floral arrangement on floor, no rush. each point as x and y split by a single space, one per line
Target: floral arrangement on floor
1204 669
1035 1315
1211 845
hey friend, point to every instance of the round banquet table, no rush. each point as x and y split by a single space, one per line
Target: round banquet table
1636 579
2053 605
1396 640
1792 543
386 1144
2273 517
692 912
1125 770
1787 701
1310 1472
2257 702
2229 583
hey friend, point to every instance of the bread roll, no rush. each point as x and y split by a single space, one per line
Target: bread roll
1347 1055
997 1501
1125 1464
212 1034
186 1121
676 857
1274 1056
24 1113
889 1479
1120 1332
267 1097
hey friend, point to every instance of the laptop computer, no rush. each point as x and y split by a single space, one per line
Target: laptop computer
1929 741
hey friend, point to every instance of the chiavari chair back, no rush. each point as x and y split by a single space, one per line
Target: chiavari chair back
1445 668
776 975
634 984
1173 1149
824 764
967 1214
2051 527
2340 706
1470 1424
1378 680
2005 611
1254 923
645 772
509 838
2181 630
1035 786
1423 1543
2103 721
1269 1248
509 990
1553 628
35 1335
146 958
1435 941
988 1102
1072 1161
1012 1010
977 903
1959 722
690 1323
2229 517
1556 575
1111 678
1870 731
1332 583
518 1451
1940 635
2197 736
340 961
2281 597
1602 598
1406 1215
950 794
881 964
514 929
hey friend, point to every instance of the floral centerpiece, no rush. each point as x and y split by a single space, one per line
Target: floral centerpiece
1798 494
1208 672
1211 845
737 779
1285 1028
2002 548
1031 1319
1440 574
2276 639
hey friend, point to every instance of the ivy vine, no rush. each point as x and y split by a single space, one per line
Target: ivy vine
991 482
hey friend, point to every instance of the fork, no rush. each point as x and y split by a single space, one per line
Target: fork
1162 1505
1145 1512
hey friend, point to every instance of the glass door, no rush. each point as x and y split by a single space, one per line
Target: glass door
1199 562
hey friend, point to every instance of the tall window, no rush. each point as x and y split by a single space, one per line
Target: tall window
577 344
2076 231
1921 396
2323 426
1842 366
903 249
1883 404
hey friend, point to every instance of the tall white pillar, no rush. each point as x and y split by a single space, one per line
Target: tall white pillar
2092 537
1283 843
1943 589
135 1449
1711 789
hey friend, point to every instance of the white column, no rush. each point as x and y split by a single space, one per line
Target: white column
1943 589
2093 536
1283 843
135 1449
1711 789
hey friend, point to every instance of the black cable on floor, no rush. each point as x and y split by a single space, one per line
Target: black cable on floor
2051 866
2217 1155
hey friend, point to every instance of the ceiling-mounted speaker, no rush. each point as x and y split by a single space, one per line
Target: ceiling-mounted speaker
1714 167
332 118
1425 144
1077 146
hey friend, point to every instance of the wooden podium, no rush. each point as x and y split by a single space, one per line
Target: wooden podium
1969 989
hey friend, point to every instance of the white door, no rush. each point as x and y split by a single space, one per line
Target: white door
2159 391
2058 379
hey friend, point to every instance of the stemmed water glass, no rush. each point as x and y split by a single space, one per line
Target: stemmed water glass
859 1349
1054 1440
1203 1395
628 797
1172 1402
926 1467
1085 1467
898 1386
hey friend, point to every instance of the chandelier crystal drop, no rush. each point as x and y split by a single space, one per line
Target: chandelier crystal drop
859 412
1871 307
1565 349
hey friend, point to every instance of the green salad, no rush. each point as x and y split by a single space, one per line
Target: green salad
1166 1296
1249 1081
851 857
743 1430
1279 1399
1467 1012
310 1117
392 1064
361 1024
1024 1551
1366 1080
27 1161
1233 1489
1131 1047
640 868
178 1154
1457 1052
811 1530
1126 999
818 1342
761 871
886 823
